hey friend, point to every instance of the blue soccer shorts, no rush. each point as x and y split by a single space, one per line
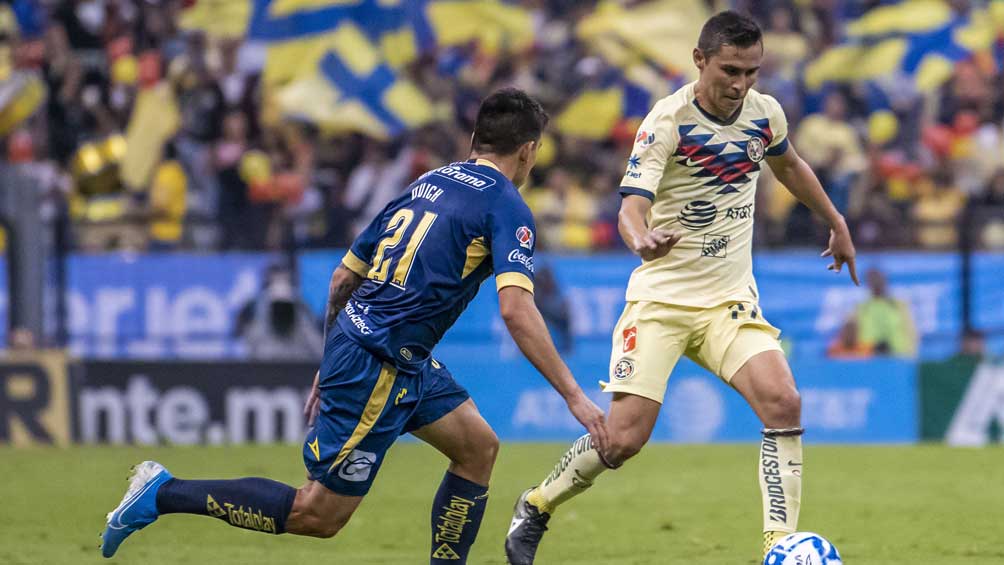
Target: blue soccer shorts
366 404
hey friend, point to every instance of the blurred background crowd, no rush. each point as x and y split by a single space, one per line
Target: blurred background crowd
181 124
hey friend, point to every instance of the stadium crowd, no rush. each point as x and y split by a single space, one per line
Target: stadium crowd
233 176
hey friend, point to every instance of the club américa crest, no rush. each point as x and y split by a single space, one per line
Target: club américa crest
755 149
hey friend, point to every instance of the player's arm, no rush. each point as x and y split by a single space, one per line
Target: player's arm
796 175
529 331
346 278
652 147
632 223
344 281
509 230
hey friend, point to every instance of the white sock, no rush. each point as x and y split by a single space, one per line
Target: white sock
573 474
780 474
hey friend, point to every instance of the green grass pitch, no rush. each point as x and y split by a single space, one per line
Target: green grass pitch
673 504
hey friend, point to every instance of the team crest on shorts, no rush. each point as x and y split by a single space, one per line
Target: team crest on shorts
624 369
754 149
630 339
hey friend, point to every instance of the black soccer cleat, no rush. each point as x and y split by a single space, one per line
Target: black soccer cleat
527 527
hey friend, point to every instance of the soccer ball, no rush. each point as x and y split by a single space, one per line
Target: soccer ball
803 548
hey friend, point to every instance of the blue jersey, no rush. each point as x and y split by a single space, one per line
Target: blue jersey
425 255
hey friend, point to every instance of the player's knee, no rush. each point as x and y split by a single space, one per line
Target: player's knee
482 451
622 447
784 408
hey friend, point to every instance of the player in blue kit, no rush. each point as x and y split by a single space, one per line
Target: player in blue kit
405 281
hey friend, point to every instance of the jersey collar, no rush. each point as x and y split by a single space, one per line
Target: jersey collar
732 119
485 163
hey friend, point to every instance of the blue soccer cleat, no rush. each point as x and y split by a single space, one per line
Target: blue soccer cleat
138 508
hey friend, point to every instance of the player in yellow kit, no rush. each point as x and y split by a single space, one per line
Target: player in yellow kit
687 210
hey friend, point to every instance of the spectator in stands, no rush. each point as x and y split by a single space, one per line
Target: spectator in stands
936 212
168 197
22 339
278 326
564 210
974 344
832 148
846 344
786 45
884 323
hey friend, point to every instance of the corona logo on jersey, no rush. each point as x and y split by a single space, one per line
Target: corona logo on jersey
450 526
630 339
524 236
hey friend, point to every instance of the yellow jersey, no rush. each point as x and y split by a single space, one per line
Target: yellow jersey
700 174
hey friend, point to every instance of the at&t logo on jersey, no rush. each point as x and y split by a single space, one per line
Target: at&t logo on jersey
698 214
524 236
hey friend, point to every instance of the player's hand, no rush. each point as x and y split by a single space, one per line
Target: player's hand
842 250
655 243
589 415
313 404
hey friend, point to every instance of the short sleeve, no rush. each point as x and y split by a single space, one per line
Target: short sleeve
778 128
512 236
653 144
357 258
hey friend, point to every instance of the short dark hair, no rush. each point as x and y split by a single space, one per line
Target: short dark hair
728 28
507 119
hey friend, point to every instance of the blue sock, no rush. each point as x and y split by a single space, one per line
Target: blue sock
456 518
253 504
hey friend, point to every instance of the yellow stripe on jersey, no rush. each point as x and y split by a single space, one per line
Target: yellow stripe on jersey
476 253
374 407
513 279
355 264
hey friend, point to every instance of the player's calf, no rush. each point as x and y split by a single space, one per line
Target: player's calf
780 477
252 503
318 512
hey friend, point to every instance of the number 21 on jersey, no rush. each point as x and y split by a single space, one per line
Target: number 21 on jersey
396 228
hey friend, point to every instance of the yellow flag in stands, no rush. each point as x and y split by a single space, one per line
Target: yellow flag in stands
154 120
922 39
336 63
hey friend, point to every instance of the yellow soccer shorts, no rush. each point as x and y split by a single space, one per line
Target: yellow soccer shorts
650 337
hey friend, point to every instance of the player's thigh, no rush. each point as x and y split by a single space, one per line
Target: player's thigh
462 435
766 382
734 333
365 405
647 343
447 419
630 422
